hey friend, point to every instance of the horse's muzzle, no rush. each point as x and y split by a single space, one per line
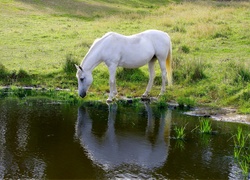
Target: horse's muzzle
83 94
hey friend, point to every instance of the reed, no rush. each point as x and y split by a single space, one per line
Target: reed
241 151
180 132
205 126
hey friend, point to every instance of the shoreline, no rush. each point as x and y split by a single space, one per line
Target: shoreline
221 114
218 114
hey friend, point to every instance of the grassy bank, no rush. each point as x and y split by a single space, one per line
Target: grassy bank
40 40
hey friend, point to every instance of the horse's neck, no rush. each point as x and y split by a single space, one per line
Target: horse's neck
91 60
93 57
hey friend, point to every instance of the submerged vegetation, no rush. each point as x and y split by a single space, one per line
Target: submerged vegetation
42 40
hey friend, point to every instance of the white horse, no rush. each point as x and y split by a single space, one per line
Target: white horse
129 52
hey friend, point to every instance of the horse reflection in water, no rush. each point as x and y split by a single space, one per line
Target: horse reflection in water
116 149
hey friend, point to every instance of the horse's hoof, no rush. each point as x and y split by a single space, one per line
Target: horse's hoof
145 98
109 101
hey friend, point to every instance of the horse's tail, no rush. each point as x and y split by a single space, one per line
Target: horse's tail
169 65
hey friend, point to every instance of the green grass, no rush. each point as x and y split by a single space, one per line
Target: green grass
40 40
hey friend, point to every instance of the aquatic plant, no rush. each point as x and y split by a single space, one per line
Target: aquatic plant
240 138
205 126
179 131
237 152
241 151
244 167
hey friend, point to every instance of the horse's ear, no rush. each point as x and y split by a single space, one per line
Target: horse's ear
78 67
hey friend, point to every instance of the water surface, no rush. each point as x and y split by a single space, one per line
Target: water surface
44 139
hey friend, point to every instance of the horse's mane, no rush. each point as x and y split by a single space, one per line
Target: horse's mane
97 42
102 38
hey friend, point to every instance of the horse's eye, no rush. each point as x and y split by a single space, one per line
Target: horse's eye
81 79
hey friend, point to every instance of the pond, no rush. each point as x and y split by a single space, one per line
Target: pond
45 139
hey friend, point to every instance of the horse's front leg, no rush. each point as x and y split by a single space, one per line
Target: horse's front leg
151 78
112 83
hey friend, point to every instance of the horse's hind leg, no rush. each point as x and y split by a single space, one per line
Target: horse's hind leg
151 70
162 63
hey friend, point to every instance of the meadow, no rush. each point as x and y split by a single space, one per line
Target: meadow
41 40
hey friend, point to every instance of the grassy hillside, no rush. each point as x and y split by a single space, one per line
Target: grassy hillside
40 40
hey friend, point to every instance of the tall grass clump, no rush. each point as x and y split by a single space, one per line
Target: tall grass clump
189 70
69 65
3 71
242 74
13 76
186 101
236 73
22 74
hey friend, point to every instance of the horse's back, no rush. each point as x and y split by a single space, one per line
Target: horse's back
160 40
135 50
157 36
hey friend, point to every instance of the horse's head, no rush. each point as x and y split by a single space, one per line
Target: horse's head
84 81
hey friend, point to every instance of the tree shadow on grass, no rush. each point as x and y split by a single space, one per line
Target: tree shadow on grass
76 9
